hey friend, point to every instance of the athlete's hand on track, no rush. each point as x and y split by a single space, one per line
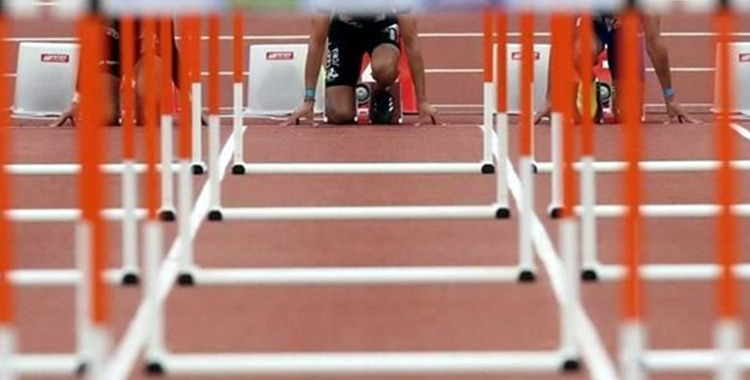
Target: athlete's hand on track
71 114
428 115
545 112
677 114
306 112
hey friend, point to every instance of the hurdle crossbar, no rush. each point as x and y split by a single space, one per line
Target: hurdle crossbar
668 272
72 169
46 364
58 277
357 276
669 211
361 213
690 361
65 215
652 166
370 168
360 364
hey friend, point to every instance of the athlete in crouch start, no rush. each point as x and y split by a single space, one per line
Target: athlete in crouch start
348 38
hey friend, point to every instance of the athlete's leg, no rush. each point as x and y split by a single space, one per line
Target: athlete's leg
340 107
140 88
343 64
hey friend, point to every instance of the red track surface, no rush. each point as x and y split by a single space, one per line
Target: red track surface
404 318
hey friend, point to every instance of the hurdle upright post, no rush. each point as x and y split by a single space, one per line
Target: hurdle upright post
7 315
185 153
214 123
166 33
564 89
91 227
129 180
728 329
587 173
195 39
489 83
152 229
238 34
632 340
526 165
556 123
501 115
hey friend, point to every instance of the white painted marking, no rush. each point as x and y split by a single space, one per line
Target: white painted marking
744 132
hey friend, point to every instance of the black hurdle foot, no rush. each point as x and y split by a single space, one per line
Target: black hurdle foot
502 213
130 279
215 216
198 169
186 279
555 212
238 169
589 275
81 369
571 365
526 276
154 369
167 215
488 169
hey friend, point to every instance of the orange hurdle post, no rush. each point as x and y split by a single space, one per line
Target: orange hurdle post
238 46
214 126
187 31
166 36
129 181
501 115
195 40
526 164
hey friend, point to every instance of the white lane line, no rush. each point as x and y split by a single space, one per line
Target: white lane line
126 354
744 132
596 358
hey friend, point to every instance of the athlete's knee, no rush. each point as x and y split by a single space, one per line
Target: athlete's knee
385 68
340 114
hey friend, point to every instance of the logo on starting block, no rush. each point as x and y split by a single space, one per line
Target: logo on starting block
55 58
516 56
280 56
745 57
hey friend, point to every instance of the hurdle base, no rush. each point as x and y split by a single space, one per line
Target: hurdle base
215 216
488 169
502 213
198 168
534 168
186 279
527 276
131 279
571 365
154 369
81 369
239 169
167 215
555 211
589 275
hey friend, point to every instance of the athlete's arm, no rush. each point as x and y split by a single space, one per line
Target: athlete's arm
659 56
316 49
408 26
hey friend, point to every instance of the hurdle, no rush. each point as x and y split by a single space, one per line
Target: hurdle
331 363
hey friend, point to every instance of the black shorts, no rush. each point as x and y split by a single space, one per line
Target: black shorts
608 38
347 45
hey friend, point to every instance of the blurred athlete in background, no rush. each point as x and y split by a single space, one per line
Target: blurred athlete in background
349 38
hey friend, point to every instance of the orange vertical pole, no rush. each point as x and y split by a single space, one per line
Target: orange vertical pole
566 95
527 80
186 55
631 100
152 116
127 48
166 90
91 154
587 75
487 28
238 32
727 225
6 249
213 65
502 63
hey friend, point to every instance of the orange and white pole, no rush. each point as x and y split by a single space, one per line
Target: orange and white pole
214 123
632 339
526 164
238 34
587 174
489 89
129 179
185 201
728 333
91 240
166 36
152 229
195 39
7 315
501 115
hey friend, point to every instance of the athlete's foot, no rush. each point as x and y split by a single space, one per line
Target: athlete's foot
382 107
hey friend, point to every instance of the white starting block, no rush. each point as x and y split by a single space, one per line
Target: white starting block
277 80
740 66
541 76
45 78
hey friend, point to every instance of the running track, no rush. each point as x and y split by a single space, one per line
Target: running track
404 318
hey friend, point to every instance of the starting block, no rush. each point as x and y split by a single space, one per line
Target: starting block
541 76
740 65
46 78
277 80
